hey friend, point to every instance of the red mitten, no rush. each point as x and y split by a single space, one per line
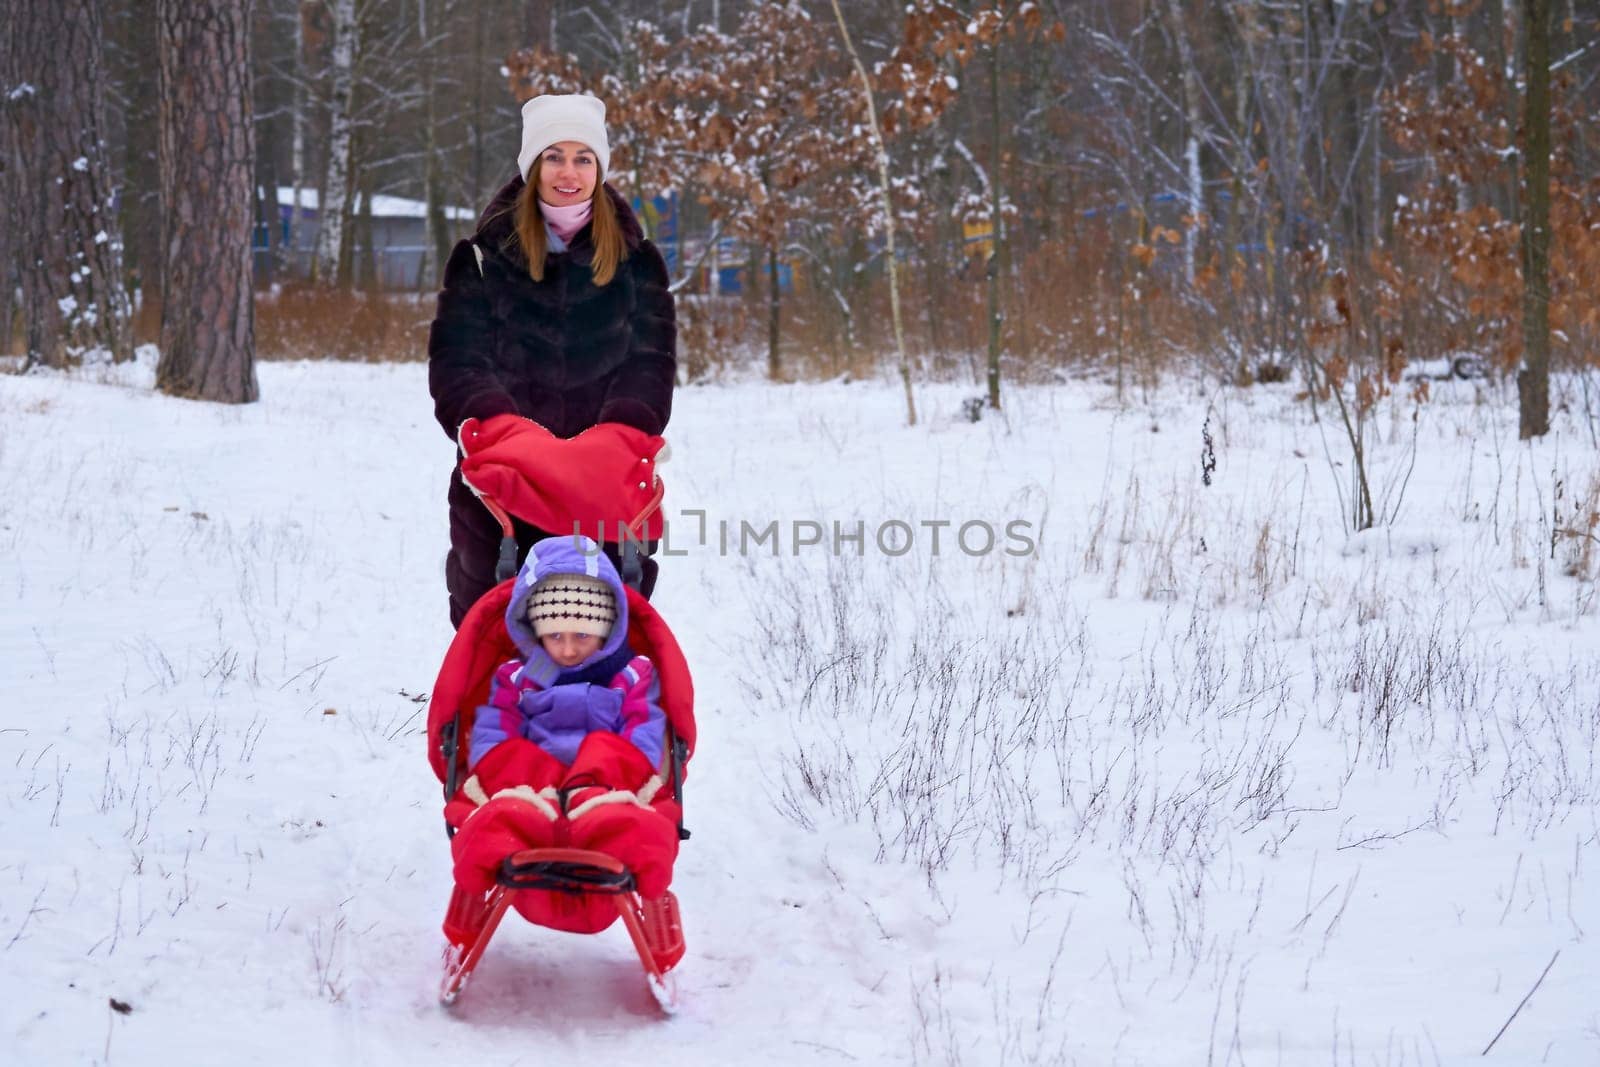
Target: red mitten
513 762
605 759
645 840
602 477
502 826
608 794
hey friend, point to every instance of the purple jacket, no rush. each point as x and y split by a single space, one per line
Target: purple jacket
556 707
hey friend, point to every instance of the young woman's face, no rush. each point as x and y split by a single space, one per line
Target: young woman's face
568 172
569 650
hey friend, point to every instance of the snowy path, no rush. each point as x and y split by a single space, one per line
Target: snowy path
1207 780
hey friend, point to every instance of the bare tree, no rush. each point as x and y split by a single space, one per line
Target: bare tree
8 221
1159 181
1193 134
207 148
997 220
437 248
297 164
770 150
60 187
333 205
1533 380
888 214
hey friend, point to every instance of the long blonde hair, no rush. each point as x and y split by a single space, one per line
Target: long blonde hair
610 249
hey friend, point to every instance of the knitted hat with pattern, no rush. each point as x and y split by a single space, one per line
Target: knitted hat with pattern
572 603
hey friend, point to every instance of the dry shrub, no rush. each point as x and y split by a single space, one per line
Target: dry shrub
147 317
1457 255
1078 301
1581 532
302 322
714 334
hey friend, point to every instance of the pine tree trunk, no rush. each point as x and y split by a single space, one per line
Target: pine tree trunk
64 228
132 49
539 24
1533 381
207 149
333 207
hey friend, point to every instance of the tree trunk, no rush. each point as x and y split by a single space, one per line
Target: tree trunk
436 248
888 218
480 181
297 153
774 369
1191 145
8 224
207 145
137 109
993 272
1504 189
1533 381
539 24
935 272
333 207
1232 264
365 266
269 213
65 230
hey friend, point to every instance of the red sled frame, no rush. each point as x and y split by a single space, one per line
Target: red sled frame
653 925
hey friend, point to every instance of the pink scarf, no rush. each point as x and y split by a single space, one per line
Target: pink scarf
565 222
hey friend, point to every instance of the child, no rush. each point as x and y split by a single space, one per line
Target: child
576 724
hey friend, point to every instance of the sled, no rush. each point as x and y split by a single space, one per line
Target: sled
571 889
653 925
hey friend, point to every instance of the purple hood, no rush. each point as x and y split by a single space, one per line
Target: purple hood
565 555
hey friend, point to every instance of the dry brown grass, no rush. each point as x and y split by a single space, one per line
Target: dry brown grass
1581 533
1067 309
305 323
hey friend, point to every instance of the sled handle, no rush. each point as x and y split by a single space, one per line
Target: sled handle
448 747
572 870
506 566
680 756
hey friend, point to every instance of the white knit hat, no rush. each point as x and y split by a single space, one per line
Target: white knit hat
572 603
571 117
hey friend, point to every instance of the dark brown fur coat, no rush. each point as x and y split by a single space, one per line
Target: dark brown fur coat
563 352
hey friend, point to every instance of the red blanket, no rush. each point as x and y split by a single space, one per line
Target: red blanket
644 836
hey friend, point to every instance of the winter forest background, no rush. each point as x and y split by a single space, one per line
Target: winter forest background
1333 190
1271 324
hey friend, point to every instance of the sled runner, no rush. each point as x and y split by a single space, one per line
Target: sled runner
518 850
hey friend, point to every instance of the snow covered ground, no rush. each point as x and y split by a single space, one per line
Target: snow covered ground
1206 779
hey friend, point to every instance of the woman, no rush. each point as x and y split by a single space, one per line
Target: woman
557 310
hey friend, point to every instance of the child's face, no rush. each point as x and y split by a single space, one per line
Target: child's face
569 650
